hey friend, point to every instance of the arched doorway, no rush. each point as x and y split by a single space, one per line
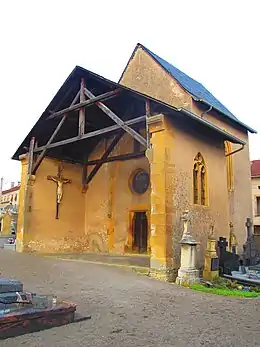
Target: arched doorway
140 232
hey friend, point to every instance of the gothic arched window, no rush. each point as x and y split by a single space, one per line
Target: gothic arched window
199 181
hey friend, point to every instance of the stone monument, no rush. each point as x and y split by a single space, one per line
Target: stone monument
187 273
211 262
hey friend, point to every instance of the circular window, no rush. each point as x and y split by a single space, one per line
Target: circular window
140 182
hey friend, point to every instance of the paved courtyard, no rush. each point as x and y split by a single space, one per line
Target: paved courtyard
130 310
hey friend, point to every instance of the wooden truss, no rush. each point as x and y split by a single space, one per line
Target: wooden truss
80 103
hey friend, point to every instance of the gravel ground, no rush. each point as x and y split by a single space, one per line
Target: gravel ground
130 310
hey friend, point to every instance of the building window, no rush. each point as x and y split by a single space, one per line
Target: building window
229 163
258 205
199 181
195 184
139 181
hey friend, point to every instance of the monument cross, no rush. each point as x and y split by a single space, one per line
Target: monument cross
59 180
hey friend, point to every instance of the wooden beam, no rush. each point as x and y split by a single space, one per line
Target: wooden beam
91 134
120 157
30 157
105 156
147 114
86 103
82 98
136 144
84 174
116 119
44 149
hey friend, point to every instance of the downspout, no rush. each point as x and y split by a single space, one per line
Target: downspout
237 150
207 111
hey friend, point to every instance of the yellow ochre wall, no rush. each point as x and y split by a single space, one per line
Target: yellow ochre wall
215 213
240 205
98 220
44 233
6 224
174 150
110 200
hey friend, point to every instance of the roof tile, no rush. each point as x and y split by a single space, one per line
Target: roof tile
255 168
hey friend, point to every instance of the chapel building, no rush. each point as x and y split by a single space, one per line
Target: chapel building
111 167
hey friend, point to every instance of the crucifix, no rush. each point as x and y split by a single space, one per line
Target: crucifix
59 180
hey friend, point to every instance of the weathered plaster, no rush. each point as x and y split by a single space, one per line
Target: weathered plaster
185 148
240 206
147 76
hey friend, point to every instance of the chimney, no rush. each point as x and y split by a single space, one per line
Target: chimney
12 184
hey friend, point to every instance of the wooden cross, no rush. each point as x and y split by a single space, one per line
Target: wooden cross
59 180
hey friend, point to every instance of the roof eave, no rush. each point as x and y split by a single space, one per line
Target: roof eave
227 135
251 130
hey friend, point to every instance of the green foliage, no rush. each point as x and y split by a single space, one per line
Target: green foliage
220 282
231 284
225 291
255 289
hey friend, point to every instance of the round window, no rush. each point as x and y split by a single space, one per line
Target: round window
140 182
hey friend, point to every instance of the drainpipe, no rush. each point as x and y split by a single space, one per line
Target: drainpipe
207 111
237 150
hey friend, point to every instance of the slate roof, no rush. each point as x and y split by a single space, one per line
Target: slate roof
255 168
196 89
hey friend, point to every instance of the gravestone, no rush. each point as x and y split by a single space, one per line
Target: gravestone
211 261
7 285
228 261
251 253
26 312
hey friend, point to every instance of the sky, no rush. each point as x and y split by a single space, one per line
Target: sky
214 42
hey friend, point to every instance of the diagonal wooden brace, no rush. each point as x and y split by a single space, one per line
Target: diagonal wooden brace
105 156
116 119
41 156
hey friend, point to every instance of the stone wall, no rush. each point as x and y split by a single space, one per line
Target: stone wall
173 151
240 206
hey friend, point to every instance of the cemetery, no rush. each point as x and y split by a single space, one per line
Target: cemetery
224 273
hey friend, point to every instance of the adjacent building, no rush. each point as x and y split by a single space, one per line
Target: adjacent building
255 180
11 195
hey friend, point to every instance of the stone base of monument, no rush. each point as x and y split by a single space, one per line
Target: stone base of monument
23 312
4 240
10 246
187 273
186 277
